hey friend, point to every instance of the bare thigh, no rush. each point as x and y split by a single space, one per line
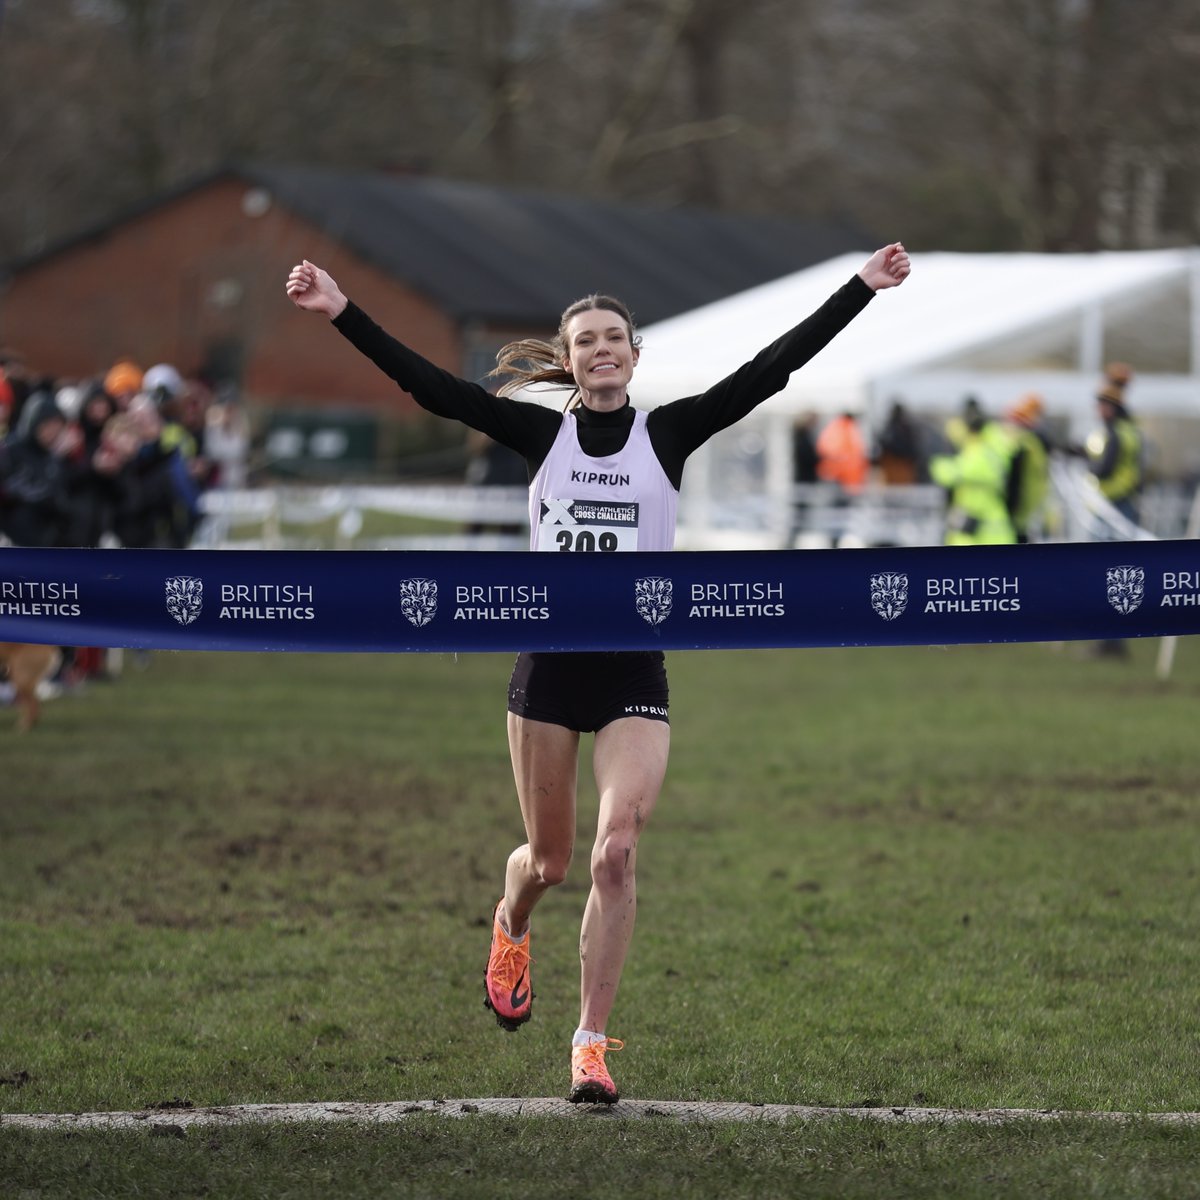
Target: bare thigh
545 761
630 763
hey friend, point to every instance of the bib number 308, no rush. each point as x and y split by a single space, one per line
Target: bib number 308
585 540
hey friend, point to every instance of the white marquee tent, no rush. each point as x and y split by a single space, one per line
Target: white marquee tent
966 320
989 325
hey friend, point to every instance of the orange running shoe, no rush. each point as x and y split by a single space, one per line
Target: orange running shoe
507 989
590 1081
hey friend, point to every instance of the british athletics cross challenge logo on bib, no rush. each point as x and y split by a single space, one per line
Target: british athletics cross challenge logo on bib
586 525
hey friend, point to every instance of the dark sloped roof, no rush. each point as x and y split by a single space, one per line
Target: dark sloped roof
513 257
504 256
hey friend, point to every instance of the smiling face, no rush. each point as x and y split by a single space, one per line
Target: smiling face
601 356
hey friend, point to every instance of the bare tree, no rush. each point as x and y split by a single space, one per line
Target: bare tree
1045 124
1029 109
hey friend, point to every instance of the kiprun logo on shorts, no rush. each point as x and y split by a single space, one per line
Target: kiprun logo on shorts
889 594
418 600
653 596
1126 588
185 598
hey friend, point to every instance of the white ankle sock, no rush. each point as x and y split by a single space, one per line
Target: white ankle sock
516 941
584 1037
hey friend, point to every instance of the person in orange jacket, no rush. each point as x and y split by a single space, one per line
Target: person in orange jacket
842 456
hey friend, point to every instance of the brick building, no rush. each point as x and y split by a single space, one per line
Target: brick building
196 277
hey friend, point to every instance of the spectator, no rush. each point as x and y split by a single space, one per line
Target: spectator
900 456
95 410
976 478
194 405
150 519
1115 451
100 485
1029 482
958 426
227 442
1116 463
123 381
804 449
163 385
842 454
99 491
187 468
22 383
34 477
8 398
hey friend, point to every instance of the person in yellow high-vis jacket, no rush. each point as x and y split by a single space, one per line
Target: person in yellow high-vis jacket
1115 457
1029 490
1115 452
977 480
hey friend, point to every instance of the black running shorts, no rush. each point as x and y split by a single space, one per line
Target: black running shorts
585 692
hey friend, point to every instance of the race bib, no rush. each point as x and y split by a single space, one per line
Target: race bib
585 525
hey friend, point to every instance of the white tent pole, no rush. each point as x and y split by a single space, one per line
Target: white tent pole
1194 315
1166 648
779 477
1091 339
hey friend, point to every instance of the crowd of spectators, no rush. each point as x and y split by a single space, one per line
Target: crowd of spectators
120 459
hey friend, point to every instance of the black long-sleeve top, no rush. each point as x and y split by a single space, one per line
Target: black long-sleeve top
675 429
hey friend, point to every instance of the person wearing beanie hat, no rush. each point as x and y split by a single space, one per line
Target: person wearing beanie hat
1030 470
1118 374
1028 410
123 382
971 418
1115 457
162 382
1115 452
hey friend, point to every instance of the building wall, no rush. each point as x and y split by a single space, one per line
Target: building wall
207 270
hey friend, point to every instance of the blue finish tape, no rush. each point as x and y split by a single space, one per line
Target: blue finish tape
409 601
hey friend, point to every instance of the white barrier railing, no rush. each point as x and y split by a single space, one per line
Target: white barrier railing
1088 516
275 512
497 517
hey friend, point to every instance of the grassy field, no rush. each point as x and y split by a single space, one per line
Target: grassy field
960 878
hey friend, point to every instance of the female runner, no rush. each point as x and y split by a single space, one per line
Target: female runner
598 449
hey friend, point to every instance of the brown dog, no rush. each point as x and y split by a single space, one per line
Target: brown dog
27 665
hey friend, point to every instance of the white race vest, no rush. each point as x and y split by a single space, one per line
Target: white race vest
622 502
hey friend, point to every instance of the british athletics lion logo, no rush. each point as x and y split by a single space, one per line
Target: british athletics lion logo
418 600
889 594
653 596
1126 587
185 598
